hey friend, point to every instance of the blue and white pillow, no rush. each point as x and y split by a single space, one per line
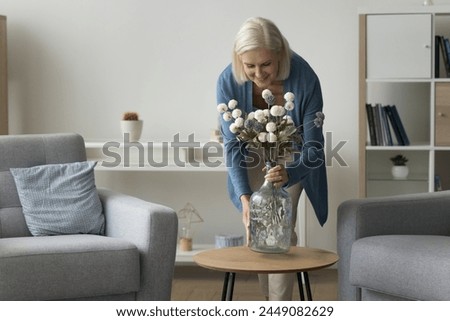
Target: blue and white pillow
60 199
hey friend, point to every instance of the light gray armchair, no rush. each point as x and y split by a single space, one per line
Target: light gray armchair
133 260
395 248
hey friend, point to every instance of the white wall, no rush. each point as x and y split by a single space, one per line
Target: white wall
77 65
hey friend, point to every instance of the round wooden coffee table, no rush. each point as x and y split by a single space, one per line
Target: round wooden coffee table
241 259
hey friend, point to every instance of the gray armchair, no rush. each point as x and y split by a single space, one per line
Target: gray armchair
133 260
395 248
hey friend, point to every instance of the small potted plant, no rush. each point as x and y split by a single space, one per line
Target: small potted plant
131 126
399 170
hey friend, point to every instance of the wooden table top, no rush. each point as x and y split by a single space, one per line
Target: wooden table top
242 259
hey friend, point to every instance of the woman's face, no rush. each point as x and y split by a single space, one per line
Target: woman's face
260 66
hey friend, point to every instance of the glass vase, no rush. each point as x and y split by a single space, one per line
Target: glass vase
270 219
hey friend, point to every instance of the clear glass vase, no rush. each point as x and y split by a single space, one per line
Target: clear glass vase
270 219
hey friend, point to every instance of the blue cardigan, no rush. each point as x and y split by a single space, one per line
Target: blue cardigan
308 166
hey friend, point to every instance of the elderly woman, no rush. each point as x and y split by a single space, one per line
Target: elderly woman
262 59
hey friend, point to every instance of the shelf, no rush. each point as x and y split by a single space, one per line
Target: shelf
387 178
187 257
441 148
402 9
112 155
419 147
400 80
168 168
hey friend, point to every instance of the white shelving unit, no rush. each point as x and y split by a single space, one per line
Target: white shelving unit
111 157
187 257
397 67
3 79
118 157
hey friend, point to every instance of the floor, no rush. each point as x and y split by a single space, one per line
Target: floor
194 283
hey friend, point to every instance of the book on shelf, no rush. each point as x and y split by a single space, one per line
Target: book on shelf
377 121
386 127
442 46
398 122
371 125
437 183
384 124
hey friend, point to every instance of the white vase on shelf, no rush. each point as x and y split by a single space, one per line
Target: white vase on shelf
133 128
400 172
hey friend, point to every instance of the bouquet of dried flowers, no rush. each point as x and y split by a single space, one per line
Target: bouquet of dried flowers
271 129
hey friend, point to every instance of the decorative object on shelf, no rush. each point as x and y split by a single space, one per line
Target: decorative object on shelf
188 215
399 170
437 183
228 240
216 136
273 131
131 127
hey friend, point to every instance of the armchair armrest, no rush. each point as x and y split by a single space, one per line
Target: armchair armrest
153 229
423 213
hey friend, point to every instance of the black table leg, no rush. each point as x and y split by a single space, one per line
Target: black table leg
307 286
228 286
225 285
300 286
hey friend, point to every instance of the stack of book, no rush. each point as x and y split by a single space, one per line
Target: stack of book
385 126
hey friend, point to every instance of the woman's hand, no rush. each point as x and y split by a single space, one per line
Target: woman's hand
277 175
245 201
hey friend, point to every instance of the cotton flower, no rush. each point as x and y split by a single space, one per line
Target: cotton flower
272 138
262 137
232 104
289 96
271 127
277 111
259 115
289 106
234 128
236 113
318 122
221 108
250 123
265 128
227 116
266 93
269 98
239 122
288 119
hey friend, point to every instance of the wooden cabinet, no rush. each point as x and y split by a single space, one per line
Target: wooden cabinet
3 79
400 64
442 114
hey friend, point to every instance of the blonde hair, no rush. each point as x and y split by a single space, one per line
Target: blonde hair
257 33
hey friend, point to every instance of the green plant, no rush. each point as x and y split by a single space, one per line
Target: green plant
399 160
130 116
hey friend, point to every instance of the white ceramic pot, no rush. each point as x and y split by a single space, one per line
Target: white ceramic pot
400 172
133 128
